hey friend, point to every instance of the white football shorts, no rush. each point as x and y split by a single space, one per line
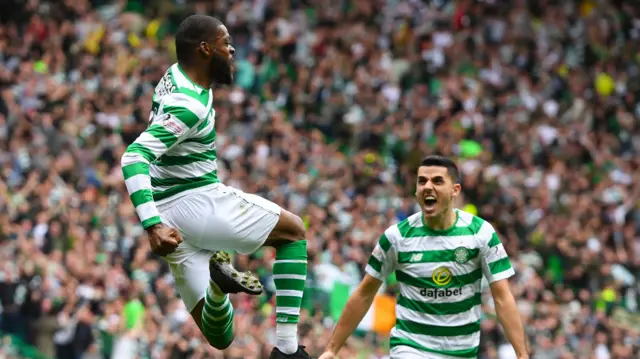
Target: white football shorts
213 218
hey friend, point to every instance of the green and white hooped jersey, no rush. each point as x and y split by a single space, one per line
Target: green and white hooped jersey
177 152
440 273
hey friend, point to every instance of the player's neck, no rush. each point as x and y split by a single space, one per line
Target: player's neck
443 221
199 76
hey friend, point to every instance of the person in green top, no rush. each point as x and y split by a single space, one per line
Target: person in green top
174 161
133 312
439 256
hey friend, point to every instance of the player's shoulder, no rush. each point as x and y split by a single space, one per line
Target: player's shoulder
474 225
469 221
176 93
403 228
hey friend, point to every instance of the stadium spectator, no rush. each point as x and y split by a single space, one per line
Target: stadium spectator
335 104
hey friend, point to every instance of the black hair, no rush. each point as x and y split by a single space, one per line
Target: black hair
441 161
192 31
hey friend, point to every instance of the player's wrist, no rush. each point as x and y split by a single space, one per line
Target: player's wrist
154 227
331 353
332 348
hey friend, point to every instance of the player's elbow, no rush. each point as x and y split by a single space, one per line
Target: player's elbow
501 293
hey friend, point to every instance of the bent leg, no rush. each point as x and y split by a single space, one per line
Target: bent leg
215 321
217 318
212 221
204 221
243 223
210 308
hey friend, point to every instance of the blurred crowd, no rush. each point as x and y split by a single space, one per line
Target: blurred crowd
335 103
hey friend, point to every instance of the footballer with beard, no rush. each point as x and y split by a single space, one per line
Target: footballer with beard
192 219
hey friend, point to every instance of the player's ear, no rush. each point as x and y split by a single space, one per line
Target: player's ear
457 188
205 49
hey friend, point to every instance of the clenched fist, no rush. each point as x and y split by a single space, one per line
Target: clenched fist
163 239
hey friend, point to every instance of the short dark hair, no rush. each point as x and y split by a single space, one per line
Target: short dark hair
191 32
441 161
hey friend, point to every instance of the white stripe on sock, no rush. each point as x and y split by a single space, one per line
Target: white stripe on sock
288 310
290 276
217 307
289 293
217 319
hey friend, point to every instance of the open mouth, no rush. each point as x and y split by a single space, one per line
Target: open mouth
430 201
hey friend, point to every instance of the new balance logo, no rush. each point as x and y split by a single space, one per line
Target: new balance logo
416 257
281 319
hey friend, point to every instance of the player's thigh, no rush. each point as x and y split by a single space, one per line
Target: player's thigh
254 219
261 225
225 218
190 268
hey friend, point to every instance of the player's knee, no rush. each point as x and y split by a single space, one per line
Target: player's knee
299 231
290 228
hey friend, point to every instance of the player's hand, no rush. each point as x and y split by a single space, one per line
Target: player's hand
328 355
163 239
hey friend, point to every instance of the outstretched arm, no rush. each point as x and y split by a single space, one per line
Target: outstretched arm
357 306
509 317
381 263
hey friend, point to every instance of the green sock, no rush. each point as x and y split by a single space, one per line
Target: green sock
289 275
217 318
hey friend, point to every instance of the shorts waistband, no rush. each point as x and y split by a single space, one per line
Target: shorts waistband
171 201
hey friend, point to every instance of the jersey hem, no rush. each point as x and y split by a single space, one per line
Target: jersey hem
169 201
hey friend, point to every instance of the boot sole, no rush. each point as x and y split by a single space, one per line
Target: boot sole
229 280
